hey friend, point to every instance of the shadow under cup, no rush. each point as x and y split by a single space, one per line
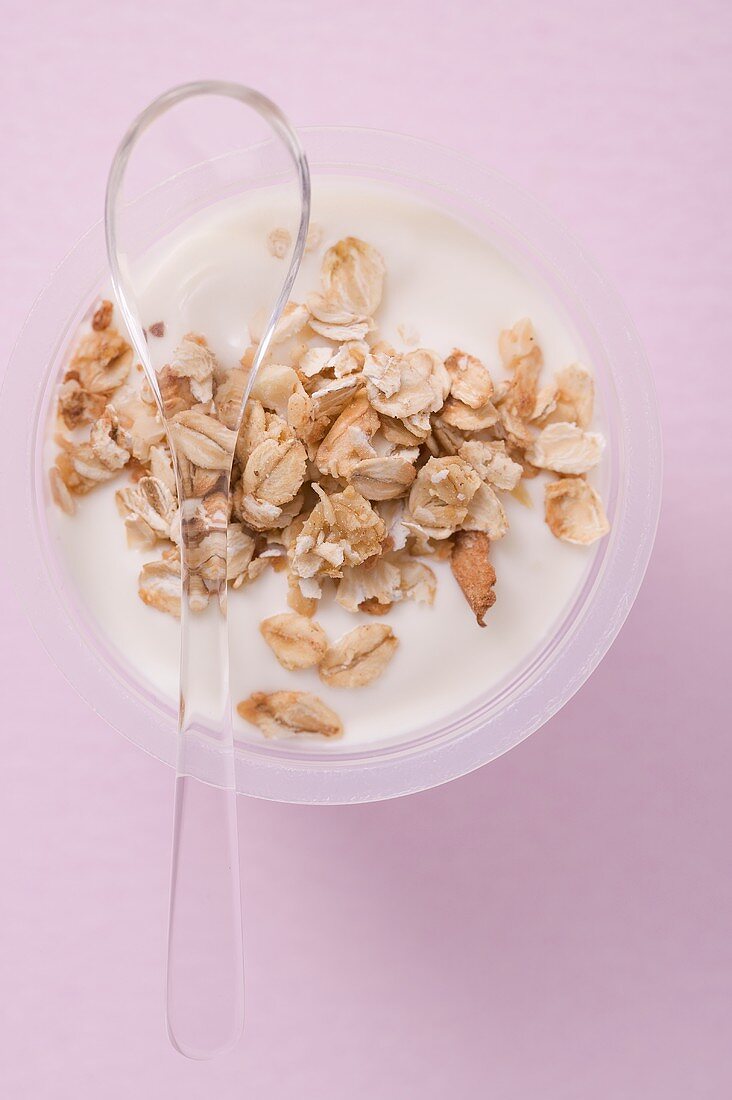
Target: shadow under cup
488 726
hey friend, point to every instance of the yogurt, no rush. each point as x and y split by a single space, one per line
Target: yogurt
450 287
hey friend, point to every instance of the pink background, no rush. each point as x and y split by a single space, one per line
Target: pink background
556 925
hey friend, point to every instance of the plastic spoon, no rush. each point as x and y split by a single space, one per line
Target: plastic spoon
205 988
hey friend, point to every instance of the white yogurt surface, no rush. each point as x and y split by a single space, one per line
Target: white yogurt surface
454 289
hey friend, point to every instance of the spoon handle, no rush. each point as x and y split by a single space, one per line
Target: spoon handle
205 991
205 980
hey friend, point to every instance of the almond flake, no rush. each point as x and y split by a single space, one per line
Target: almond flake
474 572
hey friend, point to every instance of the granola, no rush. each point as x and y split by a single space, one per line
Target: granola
566 449
159 585
470 381
342 530
279 242
295 640
148 508
359 657
385 478
101 362
574 511
282 713
571 398
353 464
102 316
441 495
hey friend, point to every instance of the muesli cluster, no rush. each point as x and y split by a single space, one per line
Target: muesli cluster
354 465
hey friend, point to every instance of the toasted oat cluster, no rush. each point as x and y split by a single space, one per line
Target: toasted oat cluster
354 464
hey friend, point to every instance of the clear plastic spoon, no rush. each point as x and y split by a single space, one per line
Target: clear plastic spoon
205 988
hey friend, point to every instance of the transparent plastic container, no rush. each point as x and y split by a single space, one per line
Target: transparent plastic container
489 725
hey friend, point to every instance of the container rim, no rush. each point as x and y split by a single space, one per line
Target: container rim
387 771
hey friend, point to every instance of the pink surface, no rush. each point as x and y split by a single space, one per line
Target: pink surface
557 924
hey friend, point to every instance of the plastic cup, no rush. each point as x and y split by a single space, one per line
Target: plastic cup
476 732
